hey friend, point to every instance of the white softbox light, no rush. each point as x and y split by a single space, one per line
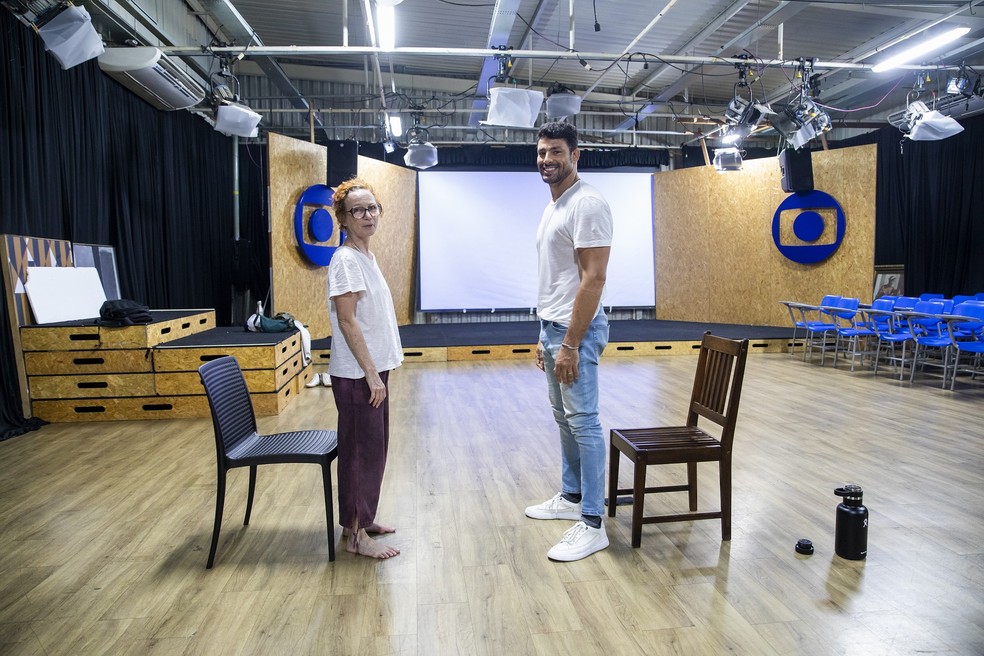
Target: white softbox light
513 108
237 120
563 104
930 125
70 37
421 154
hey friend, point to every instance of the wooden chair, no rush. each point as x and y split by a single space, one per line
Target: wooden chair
237 443
715 396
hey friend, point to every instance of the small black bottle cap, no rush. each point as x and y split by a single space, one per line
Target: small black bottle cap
804 546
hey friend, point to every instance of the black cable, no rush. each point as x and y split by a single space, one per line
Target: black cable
533 30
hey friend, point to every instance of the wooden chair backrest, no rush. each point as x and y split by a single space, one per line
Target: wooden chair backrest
717 384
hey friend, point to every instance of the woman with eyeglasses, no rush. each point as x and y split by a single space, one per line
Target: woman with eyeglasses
365 347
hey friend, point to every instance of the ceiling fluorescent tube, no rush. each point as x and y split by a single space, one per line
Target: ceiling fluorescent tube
386 15
921 49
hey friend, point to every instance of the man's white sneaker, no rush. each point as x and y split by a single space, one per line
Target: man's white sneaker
314 382
579 542
556 508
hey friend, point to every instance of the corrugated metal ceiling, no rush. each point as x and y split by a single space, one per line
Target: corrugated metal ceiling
831 31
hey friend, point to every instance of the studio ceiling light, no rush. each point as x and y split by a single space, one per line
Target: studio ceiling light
386 23
960 84
421 154
735 134
395 122
921 49
800 121
924 124
562 101
727 159
237 120
69 36
742 115
510 107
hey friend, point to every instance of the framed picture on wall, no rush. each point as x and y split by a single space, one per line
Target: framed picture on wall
889 280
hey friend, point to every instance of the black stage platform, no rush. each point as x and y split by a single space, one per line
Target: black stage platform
527 332
227 336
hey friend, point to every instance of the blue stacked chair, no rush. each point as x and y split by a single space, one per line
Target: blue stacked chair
890 331
797 314
927 324
905 302
820 331
965 328
854 332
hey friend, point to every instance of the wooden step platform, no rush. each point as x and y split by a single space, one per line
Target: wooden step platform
81 371
322 355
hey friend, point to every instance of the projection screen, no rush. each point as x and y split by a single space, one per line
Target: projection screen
478 239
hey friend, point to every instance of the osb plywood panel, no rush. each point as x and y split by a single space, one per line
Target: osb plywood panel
395 242
298 286
715 258
18 253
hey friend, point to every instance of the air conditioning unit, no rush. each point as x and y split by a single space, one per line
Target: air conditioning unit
148 72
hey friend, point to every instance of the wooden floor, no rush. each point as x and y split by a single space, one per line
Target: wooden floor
104 529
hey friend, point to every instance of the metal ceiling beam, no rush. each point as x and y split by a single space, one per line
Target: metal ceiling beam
646 30
503 19
361 51
848 90
235 27
783 9
733 10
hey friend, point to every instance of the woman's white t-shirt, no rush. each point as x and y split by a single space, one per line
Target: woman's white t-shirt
351 271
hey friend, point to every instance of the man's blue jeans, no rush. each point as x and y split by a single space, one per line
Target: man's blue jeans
575 407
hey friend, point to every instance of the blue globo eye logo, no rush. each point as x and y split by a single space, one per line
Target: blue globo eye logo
811 217
321 225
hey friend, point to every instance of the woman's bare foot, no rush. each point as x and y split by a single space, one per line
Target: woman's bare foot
372 528
360 543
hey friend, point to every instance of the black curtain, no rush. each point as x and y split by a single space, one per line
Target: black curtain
85 160
929 208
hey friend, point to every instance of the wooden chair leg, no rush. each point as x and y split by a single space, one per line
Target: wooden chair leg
638 500
613 463
725 477
692 484
329 509
249 498
219 505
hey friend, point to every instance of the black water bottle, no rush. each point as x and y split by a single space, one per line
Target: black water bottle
851 532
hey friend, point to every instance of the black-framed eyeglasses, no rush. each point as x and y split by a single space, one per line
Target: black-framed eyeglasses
359 212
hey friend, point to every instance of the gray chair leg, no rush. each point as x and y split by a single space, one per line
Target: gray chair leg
249 498
329 508
219 506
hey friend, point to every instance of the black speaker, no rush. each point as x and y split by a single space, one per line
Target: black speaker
343 161
797 170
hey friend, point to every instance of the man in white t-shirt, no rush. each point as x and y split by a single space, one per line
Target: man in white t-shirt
573 245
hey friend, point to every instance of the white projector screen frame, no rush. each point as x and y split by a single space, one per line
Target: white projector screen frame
477 239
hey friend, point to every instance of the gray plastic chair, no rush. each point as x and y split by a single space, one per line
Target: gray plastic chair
237 443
